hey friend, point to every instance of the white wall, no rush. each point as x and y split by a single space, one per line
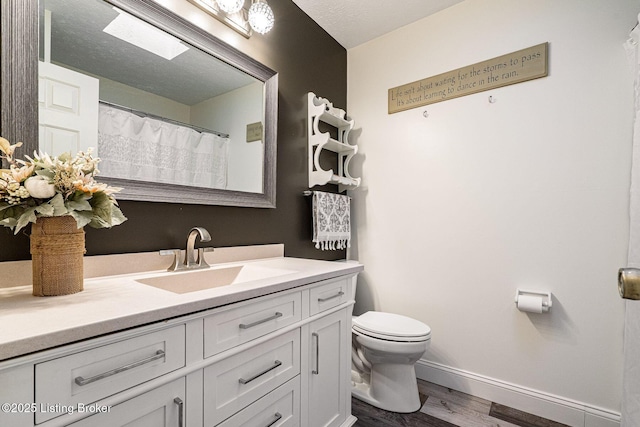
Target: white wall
459 209
121 94
230 113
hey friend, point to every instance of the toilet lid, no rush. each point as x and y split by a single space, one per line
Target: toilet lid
392 327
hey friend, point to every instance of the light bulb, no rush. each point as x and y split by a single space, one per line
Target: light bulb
261 17
230 6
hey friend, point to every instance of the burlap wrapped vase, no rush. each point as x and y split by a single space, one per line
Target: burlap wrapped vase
57 251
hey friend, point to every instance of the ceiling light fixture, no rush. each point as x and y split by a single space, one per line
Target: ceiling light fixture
230 6
259 17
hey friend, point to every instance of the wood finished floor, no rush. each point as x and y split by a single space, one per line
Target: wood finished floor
443 407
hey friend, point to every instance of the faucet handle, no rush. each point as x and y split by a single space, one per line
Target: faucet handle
164 252
176 265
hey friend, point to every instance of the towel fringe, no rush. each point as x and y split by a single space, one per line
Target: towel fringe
331 245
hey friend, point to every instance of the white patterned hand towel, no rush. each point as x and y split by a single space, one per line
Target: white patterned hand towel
331 221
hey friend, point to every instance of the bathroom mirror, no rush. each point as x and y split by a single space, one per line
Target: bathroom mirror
158 114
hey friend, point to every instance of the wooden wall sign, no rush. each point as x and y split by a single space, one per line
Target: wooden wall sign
516 67
254 132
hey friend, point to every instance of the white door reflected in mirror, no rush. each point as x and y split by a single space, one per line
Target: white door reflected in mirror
67 110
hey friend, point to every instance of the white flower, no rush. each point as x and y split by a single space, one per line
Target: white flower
21 173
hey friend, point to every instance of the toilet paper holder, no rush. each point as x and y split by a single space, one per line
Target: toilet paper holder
545 296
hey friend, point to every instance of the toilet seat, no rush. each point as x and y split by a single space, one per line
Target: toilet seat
391 327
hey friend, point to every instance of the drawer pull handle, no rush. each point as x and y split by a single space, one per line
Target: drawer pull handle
84 381
276 417
258 322
261 373
316 337
338 295
180 404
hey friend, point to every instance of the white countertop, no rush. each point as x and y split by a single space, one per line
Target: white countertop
114 303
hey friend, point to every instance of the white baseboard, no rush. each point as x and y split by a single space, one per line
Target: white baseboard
351 420
556 408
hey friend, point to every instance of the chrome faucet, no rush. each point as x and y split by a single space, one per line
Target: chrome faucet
193 258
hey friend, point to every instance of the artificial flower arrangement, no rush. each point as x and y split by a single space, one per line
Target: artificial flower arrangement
45 186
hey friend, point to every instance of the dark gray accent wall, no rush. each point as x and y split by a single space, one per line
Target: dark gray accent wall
306 59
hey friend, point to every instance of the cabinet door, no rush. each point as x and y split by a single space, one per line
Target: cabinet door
328 375
161 407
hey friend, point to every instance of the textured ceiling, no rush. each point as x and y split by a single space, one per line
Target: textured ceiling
353 22
78 42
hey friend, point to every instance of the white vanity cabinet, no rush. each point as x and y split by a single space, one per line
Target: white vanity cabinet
281 359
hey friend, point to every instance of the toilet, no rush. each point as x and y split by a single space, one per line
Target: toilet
385 348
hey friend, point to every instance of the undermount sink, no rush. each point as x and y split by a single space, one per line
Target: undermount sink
198 280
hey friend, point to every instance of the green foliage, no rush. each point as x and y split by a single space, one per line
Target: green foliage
65 185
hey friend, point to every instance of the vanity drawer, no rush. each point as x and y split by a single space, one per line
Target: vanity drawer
239 325
328 295
94 374
160 407
279 408
239 380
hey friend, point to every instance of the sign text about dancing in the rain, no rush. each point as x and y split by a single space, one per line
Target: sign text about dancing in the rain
516 67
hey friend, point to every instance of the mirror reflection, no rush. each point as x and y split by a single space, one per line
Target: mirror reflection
152 107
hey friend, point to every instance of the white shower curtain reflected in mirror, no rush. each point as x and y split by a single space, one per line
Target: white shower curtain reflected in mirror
146 149
631 374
